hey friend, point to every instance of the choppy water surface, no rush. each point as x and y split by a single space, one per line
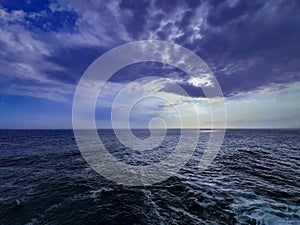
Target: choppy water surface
253 180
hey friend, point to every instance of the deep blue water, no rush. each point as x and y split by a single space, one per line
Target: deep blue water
255 179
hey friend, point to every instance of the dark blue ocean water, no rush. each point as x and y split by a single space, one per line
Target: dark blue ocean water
255 179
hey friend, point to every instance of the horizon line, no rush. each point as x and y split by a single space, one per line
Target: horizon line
173 128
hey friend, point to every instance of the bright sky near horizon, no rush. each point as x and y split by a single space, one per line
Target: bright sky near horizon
252 47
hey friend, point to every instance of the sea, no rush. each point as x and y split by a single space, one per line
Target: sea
254 179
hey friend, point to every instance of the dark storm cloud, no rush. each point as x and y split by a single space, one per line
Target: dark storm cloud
252 45
248 44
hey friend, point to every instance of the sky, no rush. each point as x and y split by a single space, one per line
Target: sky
252 47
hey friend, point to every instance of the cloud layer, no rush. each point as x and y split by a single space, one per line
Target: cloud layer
251 46
248 44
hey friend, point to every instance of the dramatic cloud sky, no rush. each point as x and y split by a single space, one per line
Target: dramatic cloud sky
252 47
